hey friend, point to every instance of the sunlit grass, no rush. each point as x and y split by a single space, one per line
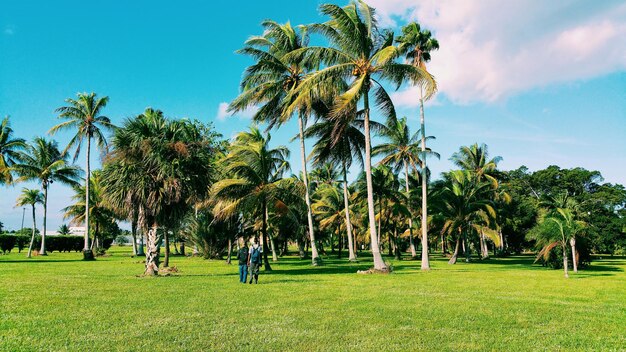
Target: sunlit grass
61 303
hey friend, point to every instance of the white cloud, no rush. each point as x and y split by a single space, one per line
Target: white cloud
9 30
491 50
222 112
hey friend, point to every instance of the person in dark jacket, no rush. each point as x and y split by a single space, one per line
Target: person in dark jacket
254 260
242 257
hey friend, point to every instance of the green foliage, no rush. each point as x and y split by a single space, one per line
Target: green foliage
7 242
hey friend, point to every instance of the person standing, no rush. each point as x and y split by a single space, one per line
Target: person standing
254 260
242 257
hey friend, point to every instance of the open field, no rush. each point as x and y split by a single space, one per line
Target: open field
61 303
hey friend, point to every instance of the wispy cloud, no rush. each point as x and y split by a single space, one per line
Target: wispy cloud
490 51
222 112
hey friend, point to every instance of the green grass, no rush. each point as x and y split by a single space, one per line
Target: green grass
61 303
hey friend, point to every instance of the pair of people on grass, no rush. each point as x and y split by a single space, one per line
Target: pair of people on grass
249 260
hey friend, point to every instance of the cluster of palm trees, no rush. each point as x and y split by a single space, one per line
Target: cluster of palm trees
334 84
177 179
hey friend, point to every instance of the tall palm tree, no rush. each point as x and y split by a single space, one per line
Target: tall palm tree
339 141
10 151
159 165
255 171
84 115
402 152
417 44
359 52
271 82
44 163
32 197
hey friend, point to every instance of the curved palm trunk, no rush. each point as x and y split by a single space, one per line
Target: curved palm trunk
406 186
42 250
32 237
379 264
455 255
315 259
87 254
425 260
572 242
351 256
152 252
133 232
266 262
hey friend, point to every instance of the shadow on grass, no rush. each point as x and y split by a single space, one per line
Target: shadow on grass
27 261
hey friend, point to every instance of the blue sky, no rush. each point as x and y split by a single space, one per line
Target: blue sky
540 83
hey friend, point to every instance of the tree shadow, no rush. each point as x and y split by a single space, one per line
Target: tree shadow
27 261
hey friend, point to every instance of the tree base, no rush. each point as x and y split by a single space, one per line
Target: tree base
317 261
88 255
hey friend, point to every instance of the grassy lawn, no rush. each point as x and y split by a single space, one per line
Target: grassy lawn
61 303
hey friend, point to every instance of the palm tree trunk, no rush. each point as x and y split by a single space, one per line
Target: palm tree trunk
572 242
565 268
133 232
396 247
141 244
425 260
266 262
305 178
42 250
379 264
346 204
501 240
152 252
32 237
86 254
467 248
406 186
456 252
166 237
230 251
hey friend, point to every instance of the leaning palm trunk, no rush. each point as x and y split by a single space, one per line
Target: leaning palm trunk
406 186
87 254
305 178
379 264
425 260
32 237
456 252
152 252
133 232
266 262
42 250
351 256
572 242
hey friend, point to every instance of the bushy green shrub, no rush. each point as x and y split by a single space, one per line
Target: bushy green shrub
7 242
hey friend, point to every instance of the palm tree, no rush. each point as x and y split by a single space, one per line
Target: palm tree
32 197
271 83
402 152
44 162
84 115
417 45
556 231
475 159
359 53
255 172
10 151
331 209
100 215
64 230
339 141
160 165
466 206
